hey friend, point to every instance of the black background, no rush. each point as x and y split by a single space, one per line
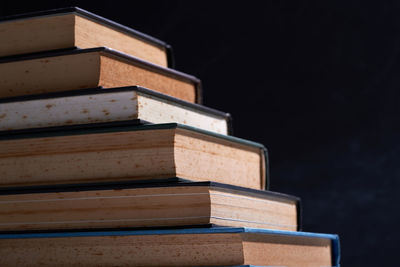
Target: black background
317 83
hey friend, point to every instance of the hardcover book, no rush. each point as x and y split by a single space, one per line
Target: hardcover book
77 28
90 68
171 247
93 107
178 203
150 151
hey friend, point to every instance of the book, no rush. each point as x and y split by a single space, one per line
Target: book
90 68
151 151
73 27
161 204
93 107
171 247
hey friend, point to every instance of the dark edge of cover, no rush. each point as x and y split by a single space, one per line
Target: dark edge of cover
299 210
166 182
100 90
336 251
101 20
170 57
108 51
73 127
267 168
145 228
63 131
162 182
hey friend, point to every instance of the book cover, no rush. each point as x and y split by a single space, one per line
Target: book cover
141 204
49 27
90 68
96 106
175 247
141 152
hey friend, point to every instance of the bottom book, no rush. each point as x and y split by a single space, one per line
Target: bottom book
219 246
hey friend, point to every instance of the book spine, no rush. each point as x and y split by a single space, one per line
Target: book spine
229 123
336 251
267 168
170 57
299 212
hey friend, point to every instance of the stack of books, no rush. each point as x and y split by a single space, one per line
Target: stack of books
108 158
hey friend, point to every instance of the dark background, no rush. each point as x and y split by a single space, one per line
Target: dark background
318 84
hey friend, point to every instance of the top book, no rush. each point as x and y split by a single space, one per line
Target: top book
77 28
